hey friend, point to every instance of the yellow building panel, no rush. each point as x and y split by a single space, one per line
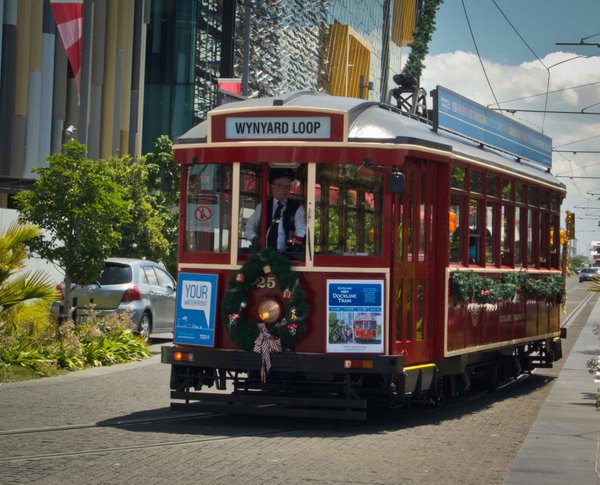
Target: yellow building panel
404 21
125 45
337 59
109 81
349 62
358 69
22 60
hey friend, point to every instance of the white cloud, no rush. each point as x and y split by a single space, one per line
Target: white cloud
462 72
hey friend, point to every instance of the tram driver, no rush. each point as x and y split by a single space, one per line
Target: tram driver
286 219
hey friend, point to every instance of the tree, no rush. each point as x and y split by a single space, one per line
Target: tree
578 261
143 236
163 184
18 287
81 208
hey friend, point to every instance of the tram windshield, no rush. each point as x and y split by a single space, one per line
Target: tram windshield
348 203
208 208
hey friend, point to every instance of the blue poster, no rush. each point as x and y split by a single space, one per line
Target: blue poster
196 309
355 316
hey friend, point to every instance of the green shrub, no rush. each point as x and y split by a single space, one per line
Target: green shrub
48 348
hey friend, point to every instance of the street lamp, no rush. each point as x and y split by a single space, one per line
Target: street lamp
70 131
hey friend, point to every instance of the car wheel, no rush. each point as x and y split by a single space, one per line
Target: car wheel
145 326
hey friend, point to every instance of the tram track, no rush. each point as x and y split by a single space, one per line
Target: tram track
104 424
575 313
131 447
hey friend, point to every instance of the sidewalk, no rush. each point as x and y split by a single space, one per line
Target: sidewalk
563 444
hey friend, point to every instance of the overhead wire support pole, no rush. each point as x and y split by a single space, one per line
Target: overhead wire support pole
597 44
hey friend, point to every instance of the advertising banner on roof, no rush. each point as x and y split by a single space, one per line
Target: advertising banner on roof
460 115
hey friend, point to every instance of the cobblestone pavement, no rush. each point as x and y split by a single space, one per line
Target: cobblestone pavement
469 442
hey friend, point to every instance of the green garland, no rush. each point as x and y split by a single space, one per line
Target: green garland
421 37
244 331
470 287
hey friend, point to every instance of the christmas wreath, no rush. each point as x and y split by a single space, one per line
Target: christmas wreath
245 332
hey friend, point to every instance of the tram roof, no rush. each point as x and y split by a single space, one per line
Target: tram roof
370 121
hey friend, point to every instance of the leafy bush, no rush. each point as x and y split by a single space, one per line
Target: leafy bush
46 349
30 339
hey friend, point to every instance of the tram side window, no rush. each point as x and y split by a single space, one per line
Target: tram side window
554 241
490 240
349 206
456 204
532 236
519 236
475 231
506 235
208 208
544 235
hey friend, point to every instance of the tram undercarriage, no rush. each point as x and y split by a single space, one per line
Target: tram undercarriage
297 384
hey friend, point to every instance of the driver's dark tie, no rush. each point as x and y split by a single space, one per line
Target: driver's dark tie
273 232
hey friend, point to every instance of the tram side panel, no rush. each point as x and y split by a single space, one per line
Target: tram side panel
472 325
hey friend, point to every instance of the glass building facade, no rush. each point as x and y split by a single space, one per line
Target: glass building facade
170 67
342 47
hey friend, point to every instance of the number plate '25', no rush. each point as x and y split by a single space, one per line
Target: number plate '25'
266 282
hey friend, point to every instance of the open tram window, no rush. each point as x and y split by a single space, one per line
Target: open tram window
520 235
208 208
491 223
507 235
457 204
554 241
475 231
544 235
349 207
532 236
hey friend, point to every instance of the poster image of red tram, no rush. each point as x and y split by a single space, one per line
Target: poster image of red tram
355 316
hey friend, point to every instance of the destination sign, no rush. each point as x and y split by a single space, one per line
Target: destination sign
274 128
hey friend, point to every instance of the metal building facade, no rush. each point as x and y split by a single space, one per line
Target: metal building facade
150 67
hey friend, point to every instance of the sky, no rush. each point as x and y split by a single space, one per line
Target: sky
515 40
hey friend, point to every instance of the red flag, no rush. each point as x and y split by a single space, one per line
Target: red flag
69 21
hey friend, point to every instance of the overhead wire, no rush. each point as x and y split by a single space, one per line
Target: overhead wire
478 54
551 92
536 56
576 141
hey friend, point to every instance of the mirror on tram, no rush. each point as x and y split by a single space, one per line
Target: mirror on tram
396 183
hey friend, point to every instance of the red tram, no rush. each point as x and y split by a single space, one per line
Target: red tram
451 246
365 329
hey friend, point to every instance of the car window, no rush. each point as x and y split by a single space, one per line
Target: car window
115 274
143 278
164 279
151 275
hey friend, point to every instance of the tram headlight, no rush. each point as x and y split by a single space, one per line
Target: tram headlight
269 311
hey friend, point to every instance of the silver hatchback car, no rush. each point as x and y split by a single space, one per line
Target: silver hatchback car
588 274
139 286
